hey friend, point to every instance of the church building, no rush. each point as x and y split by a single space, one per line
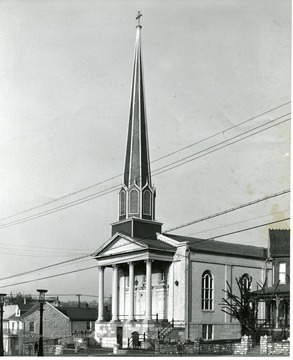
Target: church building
160 278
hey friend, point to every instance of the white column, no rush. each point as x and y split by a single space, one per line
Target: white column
131 292
148 290
277 311
115 294
101 293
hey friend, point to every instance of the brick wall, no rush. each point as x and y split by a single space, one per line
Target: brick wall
55 324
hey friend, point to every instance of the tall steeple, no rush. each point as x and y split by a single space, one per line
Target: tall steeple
137 196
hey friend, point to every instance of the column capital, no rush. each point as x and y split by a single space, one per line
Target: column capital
148 261
101 268
130 263
115 266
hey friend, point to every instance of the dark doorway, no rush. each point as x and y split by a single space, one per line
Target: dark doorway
119 335
135 339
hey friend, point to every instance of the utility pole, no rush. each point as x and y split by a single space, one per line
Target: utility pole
78 297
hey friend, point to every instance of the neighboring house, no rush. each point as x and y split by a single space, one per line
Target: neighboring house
23 308
157 277
81 319
277 296
12 330
58 322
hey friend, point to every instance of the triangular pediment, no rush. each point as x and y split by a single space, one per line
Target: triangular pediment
119 244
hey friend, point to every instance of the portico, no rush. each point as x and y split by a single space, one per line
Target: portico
139 279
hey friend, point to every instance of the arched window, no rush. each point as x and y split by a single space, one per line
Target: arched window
122 203
147 202
207 292
246 281
133 202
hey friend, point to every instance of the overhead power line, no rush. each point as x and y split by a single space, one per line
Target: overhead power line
228 210
46 267
193 157
251 228
166 231
92 267
238 222
160 158
155 173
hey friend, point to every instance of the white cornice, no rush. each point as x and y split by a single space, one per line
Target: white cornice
169 241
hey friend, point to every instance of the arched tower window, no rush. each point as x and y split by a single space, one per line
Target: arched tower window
133 202
122 203
147 202
207 292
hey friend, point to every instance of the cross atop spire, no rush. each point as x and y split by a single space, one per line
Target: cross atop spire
139 15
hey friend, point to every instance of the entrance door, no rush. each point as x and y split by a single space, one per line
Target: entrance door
119 337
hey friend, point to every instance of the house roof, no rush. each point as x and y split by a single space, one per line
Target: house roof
32 309
79 314
73 313
221 247
25 307
14 317
8 311
280 289
279 242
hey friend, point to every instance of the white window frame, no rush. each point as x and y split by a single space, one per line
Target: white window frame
150 204
31 323
207 293
207 331
122 211
137 209
282 274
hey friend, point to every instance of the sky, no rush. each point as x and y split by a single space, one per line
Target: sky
65 74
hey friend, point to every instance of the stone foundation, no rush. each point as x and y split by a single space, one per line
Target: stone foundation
106 332
221 331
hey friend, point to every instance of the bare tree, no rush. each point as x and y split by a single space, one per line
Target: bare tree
244 306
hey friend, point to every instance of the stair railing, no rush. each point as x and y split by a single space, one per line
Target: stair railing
166 329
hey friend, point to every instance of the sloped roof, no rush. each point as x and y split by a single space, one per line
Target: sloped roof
221 247
25 307
73 313
280 289
32 309
14 317
155 244
8 311
79 314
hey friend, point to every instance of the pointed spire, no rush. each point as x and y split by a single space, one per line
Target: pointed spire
137 168
137 196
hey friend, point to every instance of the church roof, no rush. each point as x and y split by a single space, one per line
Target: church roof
155 244
220 247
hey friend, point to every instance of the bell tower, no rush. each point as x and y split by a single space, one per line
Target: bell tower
137 195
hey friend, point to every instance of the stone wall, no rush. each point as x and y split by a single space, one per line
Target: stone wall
55 324
199 347
267 347
243 347
49 350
